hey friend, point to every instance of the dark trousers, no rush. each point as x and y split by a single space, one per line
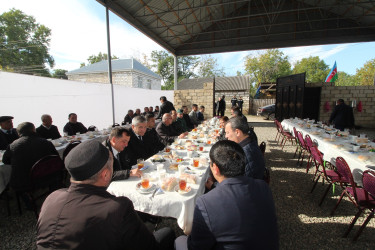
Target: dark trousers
165 237
222 112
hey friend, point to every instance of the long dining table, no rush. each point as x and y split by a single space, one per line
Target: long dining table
333 144
172 203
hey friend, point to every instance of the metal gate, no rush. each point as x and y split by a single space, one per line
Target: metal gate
289 96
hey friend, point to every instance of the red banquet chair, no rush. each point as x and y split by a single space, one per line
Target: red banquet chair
368 181
329 175
356 195
286 135
278 134
309 144
302 147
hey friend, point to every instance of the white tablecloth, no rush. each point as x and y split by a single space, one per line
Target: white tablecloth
331 150
166 204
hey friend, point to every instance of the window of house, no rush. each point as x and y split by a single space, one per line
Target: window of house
139 82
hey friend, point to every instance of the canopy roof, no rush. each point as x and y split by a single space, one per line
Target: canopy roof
191 27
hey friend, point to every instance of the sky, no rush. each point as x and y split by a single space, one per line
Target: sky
79 30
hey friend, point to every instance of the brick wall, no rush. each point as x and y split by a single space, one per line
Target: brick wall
365 94
196 96
229 95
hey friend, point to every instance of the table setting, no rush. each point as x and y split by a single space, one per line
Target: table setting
357 150
173 178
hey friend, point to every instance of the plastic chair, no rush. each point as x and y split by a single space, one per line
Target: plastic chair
355 194
46 172
368 181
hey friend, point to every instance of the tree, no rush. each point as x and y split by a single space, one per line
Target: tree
163 64
366 74
60 73
344 79
208 67
316 69
98 58
267 67
24 44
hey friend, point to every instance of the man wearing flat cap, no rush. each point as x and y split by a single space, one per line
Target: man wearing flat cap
86 216
7 133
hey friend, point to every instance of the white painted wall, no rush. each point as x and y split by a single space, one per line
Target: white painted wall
28 97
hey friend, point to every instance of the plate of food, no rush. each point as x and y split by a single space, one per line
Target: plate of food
143 190
157 158
168 184
187 190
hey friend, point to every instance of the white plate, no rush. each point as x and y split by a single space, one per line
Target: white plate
177 190
140 189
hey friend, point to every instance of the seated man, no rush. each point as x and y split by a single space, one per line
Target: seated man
194 116
200 114
23 153
47 130
186 116
167 132
137 113
151 109
7 133
146 110
151 136
86 216
237 130
116 143
141 144
180 118
156 112
73 127
177 125
238 214
128 118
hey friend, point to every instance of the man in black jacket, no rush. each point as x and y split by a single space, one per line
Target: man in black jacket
47 130
166 130
151 136
165 107
73 127
186 116
342 116
7 133
23 153
86 216
116 143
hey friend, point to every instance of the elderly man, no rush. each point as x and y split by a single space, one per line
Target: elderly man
128 118
167 132
86 216
165 107
194 116
116 143
23 153
73 127
239 213
141 145
237 130
7 133
47 130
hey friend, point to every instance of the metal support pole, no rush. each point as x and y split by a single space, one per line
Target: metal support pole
213 98
175 72
109 62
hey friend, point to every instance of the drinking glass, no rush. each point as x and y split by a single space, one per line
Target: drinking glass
196 162
145 181
140 163
182 183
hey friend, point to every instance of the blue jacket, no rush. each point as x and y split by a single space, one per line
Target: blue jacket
255 165
238 214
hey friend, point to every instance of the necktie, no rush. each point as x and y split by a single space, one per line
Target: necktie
140 138
118 159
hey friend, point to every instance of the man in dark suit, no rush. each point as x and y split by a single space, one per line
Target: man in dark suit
86 216
240 103
221 106
165 107
116 143
186 117
342 116
151 136
237 130
73 127
24 152
234 101
7 133
239 213
128 118
47 130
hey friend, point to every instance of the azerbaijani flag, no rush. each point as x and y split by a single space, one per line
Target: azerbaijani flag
332 76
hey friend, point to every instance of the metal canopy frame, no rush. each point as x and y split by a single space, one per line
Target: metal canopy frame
193 27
